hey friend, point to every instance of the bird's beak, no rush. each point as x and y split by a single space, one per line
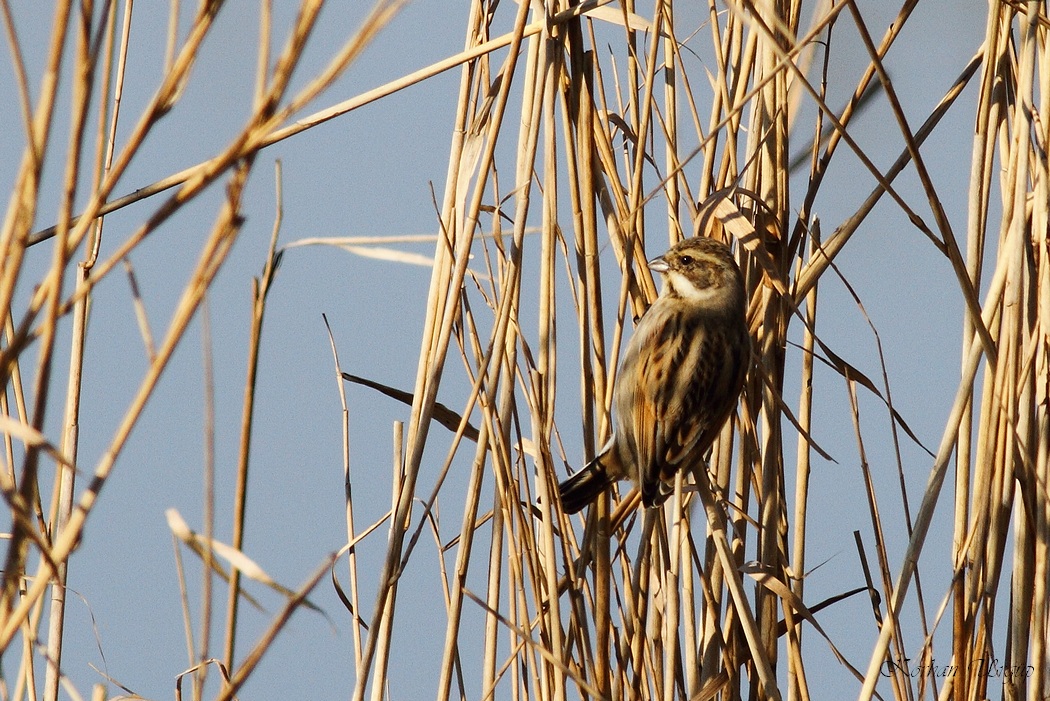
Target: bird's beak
658 265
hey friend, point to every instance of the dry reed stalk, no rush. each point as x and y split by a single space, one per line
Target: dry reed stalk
260 288
88 42
653 605
798 687
63 496
623 630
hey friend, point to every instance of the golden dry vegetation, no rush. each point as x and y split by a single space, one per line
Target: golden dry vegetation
583 128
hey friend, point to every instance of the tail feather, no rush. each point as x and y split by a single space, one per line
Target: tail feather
584 487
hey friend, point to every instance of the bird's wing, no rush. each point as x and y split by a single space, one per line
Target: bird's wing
686 414
716 368
674 366
644 396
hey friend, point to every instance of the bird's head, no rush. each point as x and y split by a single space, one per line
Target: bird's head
701 271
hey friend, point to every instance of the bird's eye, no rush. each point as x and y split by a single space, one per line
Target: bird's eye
686 260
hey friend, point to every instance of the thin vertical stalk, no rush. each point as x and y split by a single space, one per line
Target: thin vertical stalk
208 502
544 379
797 687
260 290
670 120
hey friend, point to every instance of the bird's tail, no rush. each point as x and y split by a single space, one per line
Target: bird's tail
584 487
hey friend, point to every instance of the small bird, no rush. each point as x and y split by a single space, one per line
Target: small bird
679 379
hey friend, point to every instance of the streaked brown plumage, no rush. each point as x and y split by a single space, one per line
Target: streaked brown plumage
679 379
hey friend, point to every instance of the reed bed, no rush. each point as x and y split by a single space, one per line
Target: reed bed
586 138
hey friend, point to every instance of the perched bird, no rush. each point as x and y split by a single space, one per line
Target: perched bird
679 379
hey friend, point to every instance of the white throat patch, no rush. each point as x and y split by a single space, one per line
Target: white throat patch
687 290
